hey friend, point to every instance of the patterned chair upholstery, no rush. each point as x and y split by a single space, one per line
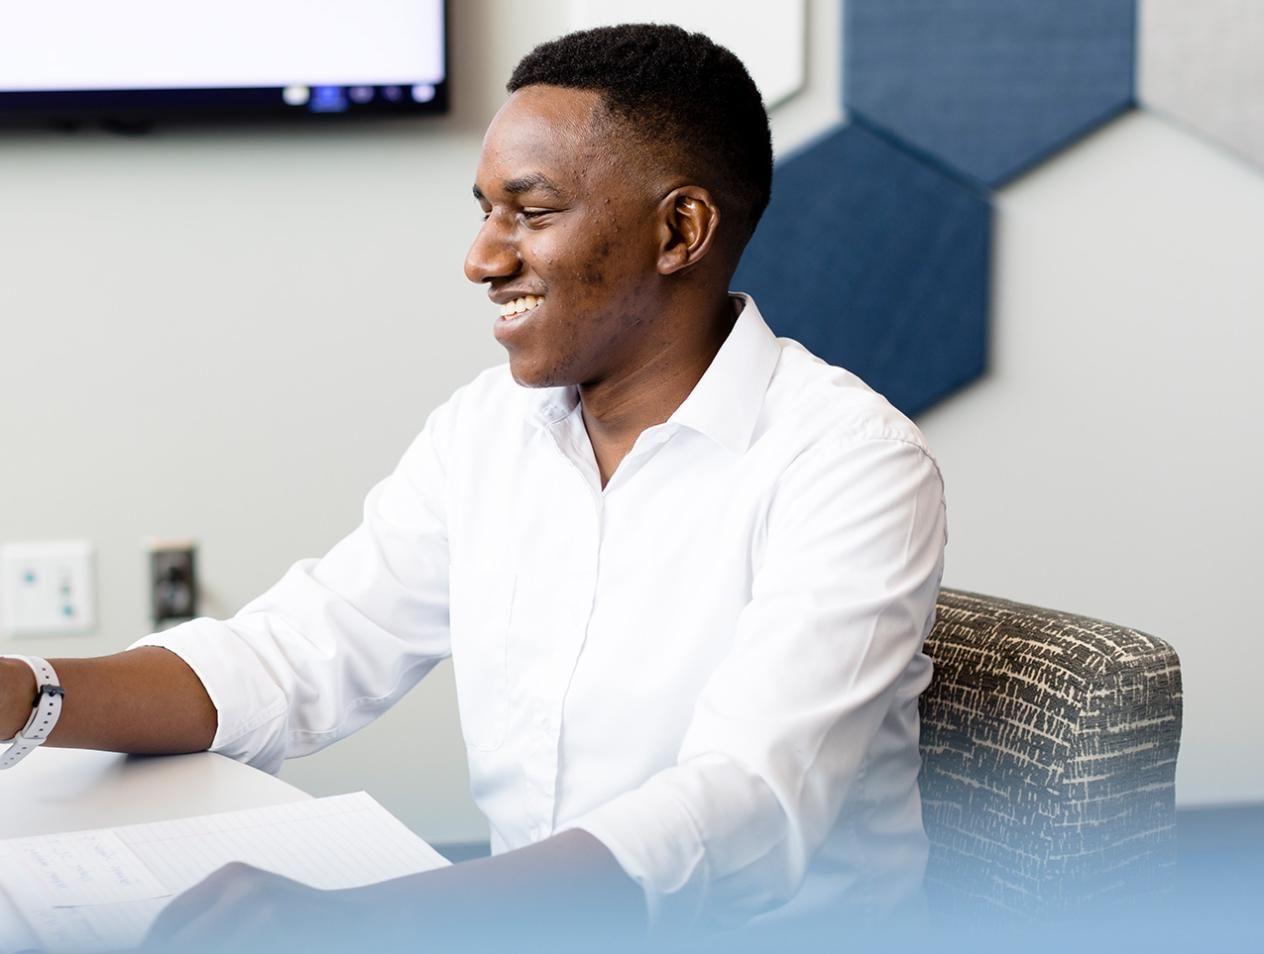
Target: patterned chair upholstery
1049 748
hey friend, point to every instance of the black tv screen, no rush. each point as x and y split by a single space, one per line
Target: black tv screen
138 61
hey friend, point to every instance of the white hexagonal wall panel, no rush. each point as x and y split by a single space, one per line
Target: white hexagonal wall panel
1202 65
768 38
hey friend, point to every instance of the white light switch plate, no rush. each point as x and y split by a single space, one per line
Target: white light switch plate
46 588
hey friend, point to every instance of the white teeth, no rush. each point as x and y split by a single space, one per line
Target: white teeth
520 306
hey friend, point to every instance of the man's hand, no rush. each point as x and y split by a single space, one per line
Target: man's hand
564 893
241 908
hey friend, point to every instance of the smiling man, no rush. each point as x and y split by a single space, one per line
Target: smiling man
682 567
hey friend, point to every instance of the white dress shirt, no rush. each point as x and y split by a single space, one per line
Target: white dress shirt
712 664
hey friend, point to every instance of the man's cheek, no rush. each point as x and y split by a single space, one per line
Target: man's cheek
592 271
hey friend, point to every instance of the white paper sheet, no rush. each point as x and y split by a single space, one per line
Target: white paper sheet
15 933
102 890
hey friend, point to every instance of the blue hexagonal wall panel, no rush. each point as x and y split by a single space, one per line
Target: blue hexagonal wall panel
989 87
877 262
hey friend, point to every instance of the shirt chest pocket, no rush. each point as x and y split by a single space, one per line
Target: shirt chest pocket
481 603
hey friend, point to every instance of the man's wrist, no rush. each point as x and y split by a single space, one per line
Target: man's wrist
17 694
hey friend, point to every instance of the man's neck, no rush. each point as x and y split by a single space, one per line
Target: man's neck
617 409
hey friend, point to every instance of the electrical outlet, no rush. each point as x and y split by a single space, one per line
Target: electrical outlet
46 588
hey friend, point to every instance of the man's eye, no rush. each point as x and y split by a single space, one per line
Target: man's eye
535 213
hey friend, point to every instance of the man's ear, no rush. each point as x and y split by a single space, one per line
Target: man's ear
688 221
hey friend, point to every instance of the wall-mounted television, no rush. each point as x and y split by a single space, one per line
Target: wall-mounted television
141 61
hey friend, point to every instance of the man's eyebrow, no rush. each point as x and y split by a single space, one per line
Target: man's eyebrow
531 182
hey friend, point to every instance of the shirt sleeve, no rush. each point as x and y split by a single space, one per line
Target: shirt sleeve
338 640
841 602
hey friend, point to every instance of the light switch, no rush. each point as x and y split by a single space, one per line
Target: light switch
46 588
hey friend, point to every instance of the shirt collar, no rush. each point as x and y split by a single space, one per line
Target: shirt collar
724 405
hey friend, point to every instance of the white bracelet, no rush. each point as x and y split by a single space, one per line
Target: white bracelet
45 711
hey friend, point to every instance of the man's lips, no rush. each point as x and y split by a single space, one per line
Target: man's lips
514 315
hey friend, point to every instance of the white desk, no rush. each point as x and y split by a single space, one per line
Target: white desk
56 790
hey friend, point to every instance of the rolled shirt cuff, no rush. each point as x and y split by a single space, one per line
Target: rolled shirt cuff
247 704
657 842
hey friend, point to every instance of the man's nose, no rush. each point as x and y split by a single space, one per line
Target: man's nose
491 256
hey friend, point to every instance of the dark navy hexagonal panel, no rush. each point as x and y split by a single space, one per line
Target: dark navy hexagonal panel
989 87
877 262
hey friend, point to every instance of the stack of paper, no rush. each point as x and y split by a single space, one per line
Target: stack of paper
102 890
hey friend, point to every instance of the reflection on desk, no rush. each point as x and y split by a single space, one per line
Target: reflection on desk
56 790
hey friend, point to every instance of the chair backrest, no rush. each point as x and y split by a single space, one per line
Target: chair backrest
1049 747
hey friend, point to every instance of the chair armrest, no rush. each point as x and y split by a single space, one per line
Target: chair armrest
1049 747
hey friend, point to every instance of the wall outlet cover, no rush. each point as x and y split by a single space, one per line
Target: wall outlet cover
46 588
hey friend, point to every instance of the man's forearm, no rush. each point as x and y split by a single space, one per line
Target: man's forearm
567 893
145 701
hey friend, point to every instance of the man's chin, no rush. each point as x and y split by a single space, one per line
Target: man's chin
529 375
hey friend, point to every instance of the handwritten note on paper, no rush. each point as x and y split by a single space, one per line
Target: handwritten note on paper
81 868
341 842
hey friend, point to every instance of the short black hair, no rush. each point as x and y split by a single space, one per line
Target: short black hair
677 89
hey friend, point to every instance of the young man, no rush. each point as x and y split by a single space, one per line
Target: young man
683 568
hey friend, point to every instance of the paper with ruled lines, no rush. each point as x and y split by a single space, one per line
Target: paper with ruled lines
102 890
